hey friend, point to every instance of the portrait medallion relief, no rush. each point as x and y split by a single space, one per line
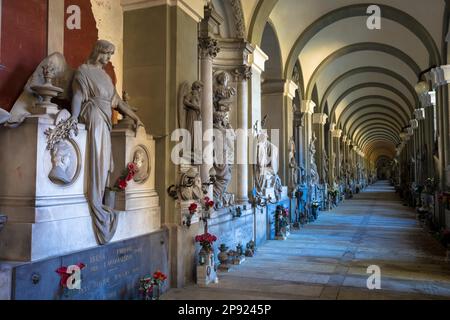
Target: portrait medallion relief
64 163
142 161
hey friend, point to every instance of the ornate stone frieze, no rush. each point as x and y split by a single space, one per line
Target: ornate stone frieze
238 18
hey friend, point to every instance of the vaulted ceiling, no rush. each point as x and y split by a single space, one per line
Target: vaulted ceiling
363 79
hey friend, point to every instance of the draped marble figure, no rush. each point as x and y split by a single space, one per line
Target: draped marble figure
94 96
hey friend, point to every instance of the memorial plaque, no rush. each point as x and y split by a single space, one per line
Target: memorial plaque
112 271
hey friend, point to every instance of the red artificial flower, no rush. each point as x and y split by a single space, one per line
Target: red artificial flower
132 167
193 208
206 199
130 176
211 204
122 184
206 238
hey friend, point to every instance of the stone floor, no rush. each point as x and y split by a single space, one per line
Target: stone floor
329 258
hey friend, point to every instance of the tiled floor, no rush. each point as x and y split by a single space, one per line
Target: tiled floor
329 258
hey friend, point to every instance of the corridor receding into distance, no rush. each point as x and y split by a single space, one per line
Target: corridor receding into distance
329 259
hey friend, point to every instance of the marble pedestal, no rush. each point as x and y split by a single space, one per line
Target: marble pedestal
47 219
206 274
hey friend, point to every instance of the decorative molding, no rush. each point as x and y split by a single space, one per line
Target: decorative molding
194 8
420 114
258 59
208 47
440 76
233 53
320 118
308 106
332 127
289 89
238 18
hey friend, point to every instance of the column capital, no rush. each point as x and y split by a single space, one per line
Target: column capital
420 114
427 98
348 142
208 47
320 118
258 59
410 131
243 73
404 136
289 89
337 133
344 138
440 76
308 106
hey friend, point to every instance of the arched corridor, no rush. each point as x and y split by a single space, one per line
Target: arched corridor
329 258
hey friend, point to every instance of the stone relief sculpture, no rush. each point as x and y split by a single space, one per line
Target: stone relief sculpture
189 109
64 162
94 96
191 185
141 160
223 144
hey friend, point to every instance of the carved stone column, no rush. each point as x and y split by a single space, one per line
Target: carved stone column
257 60
337 134
242 75
307 109
319 121
440 78
208 49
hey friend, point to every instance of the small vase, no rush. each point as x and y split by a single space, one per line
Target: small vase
156 292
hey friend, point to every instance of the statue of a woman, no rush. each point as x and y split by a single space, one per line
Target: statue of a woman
192 105
94 96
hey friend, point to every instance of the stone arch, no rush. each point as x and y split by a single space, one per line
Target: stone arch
363 46
368 69
389 12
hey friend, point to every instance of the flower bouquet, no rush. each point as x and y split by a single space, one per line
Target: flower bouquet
188 217
150 286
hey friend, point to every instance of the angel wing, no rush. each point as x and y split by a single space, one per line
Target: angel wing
182 93
62 79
